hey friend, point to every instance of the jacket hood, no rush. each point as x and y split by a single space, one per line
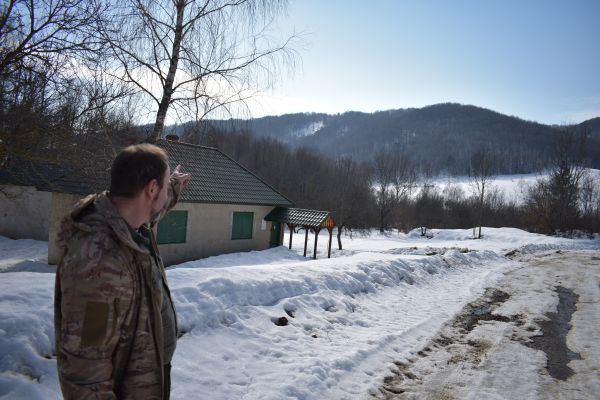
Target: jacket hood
95 213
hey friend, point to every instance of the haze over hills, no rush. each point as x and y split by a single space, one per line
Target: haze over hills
440 138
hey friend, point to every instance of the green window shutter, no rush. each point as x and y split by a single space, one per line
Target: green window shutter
242 225
172 228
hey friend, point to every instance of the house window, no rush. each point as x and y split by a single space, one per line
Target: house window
172 228
242 225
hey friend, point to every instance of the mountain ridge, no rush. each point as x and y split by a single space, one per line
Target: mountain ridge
440 137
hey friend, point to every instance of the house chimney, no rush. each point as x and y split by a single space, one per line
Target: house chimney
173 138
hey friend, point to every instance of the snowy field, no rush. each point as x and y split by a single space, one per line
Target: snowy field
513 187
275 325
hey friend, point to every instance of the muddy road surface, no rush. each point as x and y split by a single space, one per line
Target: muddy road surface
535 335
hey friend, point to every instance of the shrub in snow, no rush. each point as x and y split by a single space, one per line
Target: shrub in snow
420 232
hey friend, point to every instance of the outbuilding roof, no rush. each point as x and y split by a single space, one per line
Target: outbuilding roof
216 178
302 217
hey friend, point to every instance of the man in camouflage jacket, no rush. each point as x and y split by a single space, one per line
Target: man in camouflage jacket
115 322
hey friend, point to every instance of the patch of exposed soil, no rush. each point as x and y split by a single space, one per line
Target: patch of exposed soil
481 310
553 340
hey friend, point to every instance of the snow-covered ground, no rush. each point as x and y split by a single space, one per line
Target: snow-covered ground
513 187
275 325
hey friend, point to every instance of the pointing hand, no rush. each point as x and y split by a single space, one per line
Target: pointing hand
184 179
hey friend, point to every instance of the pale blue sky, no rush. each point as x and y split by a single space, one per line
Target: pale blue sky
538 60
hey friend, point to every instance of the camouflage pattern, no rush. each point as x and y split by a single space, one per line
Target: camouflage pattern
108 327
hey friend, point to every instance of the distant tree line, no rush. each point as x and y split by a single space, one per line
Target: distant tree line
390 194
309 179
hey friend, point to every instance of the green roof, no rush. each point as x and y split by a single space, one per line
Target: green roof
300 217
52 176
216 178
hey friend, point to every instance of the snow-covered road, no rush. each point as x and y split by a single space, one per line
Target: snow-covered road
533 335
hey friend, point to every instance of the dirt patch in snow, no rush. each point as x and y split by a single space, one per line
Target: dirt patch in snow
481 310
553 340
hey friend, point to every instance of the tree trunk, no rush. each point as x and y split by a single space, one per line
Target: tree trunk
481 201
329 245
317 230
382 210
291 228
339 236
165 101
305 239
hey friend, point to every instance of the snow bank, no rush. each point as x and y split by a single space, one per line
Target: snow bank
27 366
275 255
344 318
23 255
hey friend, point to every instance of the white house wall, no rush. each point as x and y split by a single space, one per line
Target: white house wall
208 232
24 212
62 204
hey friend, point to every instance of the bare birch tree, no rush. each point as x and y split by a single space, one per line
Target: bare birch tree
482 172
404 178
395 176
194 56
350 194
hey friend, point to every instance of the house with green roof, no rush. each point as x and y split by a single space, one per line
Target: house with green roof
222 210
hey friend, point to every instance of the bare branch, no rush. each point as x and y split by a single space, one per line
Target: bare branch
204 54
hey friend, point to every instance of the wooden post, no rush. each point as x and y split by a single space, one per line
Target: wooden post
291 227
305 239
317 230
329 247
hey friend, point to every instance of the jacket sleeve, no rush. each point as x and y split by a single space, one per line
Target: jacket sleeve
174 192
93 295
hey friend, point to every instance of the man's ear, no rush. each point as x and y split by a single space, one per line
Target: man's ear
151 189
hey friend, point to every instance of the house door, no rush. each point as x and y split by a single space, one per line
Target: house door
275 234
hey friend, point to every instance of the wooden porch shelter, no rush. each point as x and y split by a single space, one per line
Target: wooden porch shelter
309 220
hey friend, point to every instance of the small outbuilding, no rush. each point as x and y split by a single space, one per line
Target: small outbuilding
309 220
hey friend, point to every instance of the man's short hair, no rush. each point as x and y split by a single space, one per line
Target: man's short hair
134 167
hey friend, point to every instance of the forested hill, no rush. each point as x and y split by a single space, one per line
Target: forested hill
439 138
593 127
